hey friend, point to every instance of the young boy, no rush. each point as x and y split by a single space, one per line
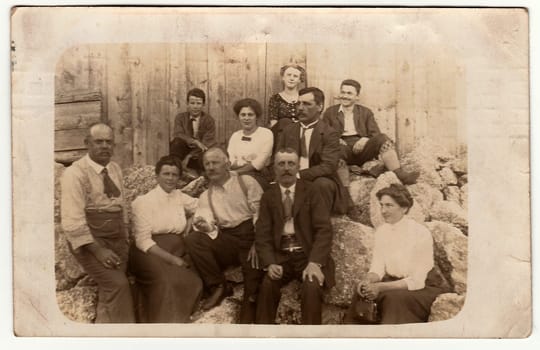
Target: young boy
194 131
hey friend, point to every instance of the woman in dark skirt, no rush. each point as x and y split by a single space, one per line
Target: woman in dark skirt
401 278
170 290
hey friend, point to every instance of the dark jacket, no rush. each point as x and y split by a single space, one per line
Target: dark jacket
324 153
311 224
364 122
183 129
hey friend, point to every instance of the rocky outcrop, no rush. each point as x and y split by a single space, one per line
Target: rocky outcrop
448 177
383 181
464 196
446 306
451 212
452 194
450 253
67 270
425 196
359 189
351 250
78 303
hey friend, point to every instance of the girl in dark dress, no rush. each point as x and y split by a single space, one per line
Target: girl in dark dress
282 107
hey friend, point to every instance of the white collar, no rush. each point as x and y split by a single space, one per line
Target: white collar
291 188
309 125
161 192
98 168
401 222
342 110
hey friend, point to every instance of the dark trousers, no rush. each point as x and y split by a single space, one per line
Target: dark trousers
270 291
231 247
180 148
115 303
169 293
371 149
401 306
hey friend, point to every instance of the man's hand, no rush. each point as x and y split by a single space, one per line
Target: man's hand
202 225
359 145
200 145
313 270
107 257
253 257
341 163
178 261
342 142
275 272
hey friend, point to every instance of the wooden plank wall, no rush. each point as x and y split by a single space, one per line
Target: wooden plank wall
144 86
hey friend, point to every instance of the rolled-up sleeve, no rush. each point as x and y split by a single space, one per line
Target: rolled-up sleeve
142 226
416 278
254 194
72 210
190 203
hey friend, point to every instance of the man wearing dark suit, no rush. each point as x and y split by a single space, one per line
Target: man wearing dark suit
361 140
194 131
293 238
317 145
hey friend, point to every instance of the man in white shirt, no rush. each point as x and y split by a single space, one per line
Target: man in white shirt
95 221
317 144
293 239
224 232
360 137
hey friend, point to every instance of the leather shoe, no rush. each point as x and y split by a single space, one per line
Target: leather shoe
406 178
219 293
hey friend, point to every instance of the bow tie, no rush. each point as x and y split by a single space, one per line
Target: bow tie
193 119
246 138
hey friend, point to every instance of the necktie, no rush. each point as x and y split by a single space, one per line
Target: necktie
303 146
109 187
194 126
287 205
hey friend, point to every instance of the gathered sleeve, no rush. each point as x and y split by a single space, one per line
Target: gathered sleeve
72 209
264 149
423 261
142 225
254 194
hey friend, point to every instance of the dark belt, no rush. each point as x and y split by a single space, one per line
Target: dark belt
105 224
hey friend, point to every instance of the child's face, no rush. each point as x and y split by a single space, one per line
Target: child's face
195 105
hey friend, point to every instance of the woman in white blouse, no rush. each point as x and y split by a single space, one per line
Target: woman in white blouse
400 279
170 289
250 148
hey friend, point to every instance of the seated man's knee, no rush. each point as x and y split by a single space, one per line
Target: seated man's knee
380 139
311 287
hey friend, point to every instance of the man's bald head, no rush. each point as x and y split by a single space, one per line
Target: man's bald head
100 143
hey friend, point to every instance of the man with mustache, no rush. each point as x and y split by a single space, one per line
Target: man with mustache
95 222
224 232
317 145
293 238
361 140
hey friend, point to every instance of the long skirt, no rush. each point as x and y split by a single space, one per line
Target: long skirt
401 306
169 293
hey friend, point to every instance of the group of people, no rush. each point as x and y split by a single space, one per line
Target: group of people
267 208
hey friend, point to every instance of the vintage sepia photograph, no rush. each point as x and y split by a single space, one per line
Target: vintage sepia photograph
213 172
